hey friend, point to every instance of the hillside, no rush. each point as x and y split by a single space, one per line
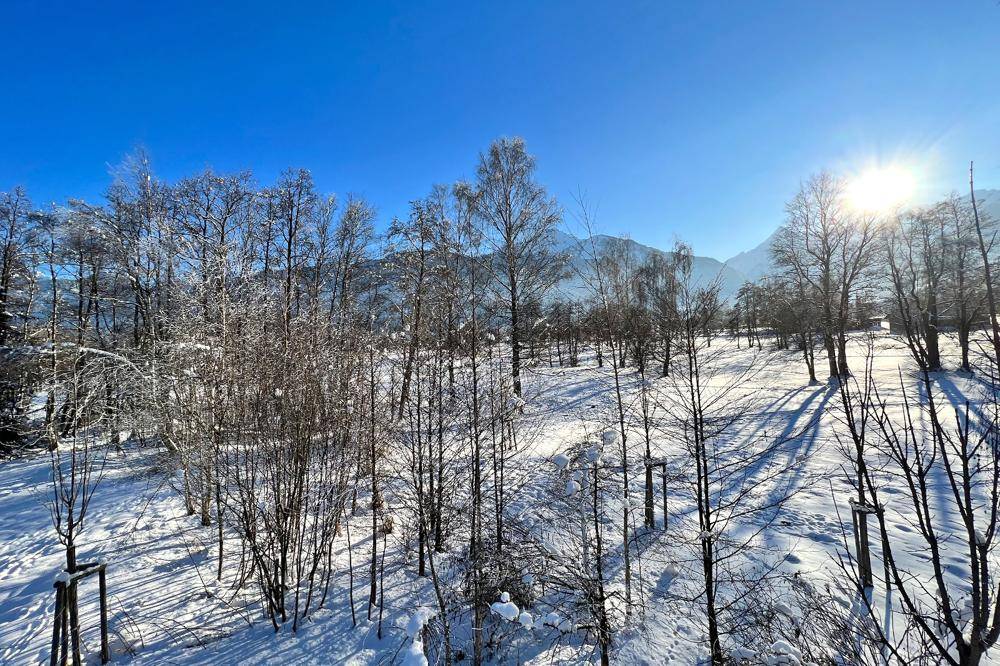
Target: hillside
575 286
755 263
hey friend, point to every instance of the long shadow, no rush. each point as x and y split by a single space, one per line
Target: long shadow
979 418
797 447
958 398
946 513
795 438
794 446
650 540
774 411
573 393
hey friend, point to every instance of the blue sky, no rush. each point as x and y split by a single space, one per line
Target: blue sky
684 119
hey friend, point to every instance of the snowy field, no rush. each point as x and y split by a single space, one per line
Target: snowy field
166 606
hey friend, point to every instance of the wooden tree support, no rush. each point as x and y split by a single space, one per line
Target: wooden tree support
662 464
66 625
663 478
862 544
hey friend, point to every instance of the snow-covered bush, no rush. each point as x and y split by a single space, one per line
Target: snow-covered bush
505 608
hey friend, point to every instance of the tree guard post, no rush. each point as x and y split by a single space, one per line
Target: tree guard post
862 545
66 624
58 620
662 464
648 502
74 622
583 522
103 588
663 479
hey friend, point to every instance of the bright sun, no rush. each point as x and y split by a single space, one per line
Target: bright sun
881 189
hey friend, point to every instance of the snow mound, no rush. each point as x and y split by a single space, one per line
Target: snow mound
417 622
505 608
783 654
414 655
668 576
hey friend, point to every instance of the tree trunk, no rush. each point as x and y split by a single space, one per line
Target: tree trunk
931 331
515 338
831 354
713 623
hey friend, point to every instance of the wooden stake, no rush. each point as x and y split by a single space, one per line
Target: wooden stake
663 478
74 622
58 621
103 584
64 622
859 513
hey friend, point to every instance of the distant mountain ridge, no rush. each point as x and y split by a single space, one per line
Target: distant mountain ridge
747 266
575 287
756 263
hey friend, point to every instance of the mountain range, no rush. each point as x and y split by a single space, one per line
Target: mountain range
747 266
576 285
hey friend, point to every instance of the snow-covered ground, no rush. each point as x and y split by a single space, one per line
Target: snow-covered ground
166 606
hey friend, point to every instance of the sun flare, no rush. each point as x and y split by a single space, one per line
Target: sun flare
881 189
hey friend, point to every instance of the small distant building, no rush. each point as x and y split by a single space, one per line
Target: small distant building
878 324
892 323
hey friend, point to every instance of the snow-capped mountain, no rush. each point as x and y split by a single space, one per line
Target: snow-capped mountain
747 266
755 263
988 202
575 286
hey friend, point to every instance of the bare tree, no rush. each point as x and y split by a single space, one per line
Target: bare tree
984 253
518 217
916 253
411 244
944 471
831 249
611 275
967 294
735 480
19 238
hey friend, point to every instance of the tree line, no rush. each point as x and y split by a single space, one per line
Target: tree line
307 374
